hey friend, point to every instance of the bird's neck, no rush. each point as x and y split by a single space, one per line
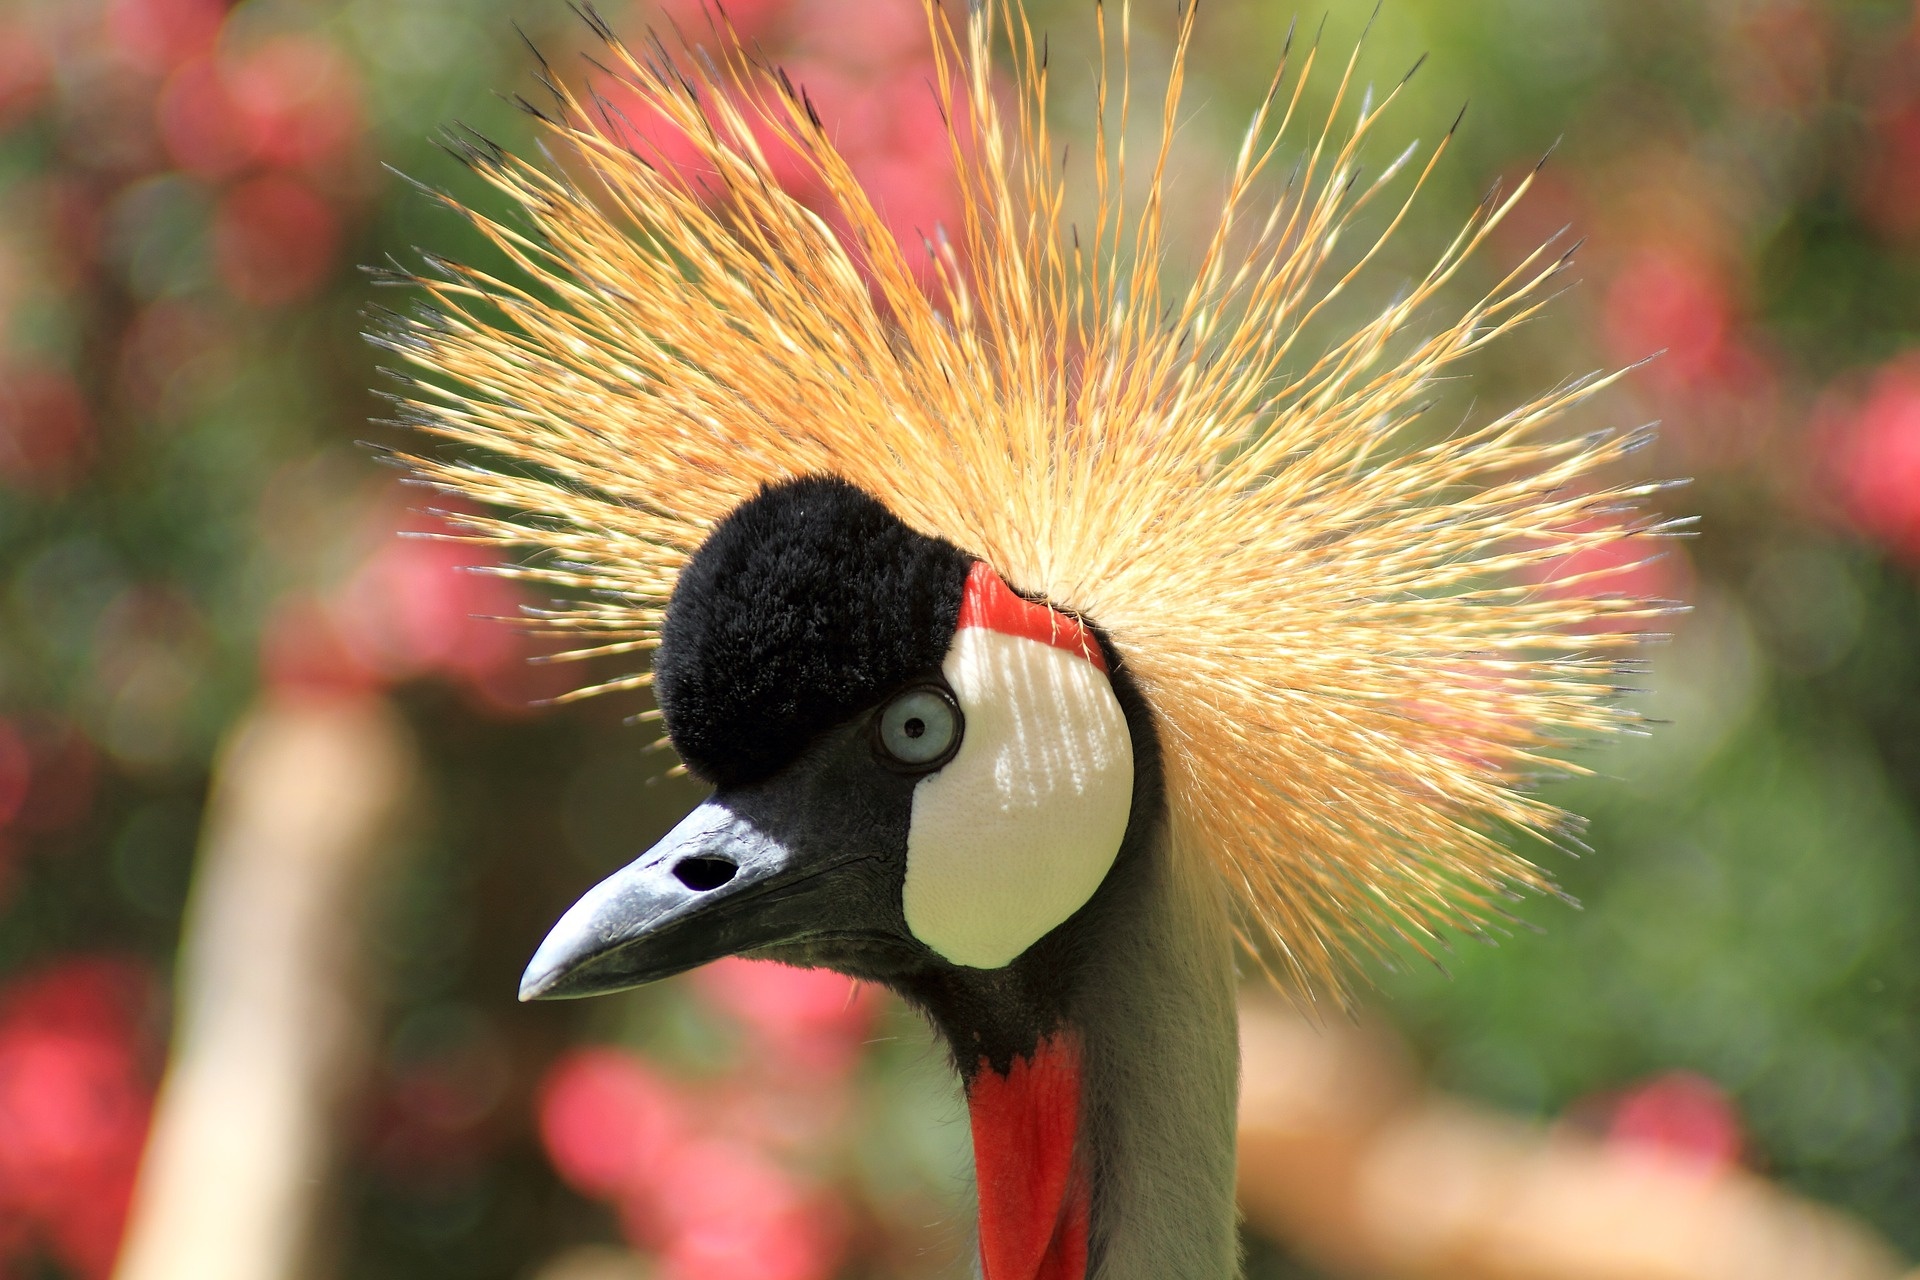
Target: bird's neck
1104 1137
1161 1076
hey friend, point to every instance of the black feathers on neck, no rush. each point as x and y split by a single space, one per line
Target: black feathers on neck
807 604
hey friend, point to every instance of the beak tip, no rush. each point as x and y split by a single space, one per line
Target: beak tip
567 945
611 939
537 981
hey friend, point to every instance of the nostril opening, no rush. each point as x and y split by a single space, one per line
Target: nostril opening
702 874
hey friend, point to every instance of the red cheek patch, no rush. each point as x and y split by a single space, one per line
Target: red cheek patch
990 603
1034 1199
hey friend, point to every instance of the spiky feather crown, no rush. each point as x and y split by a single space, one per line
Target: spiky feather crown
1340 629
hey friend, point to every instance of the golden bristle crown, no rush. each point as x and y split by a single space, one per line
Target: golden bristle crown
1338 622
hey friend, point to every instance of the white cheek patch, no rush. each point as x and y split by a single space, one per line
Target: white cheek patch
1015 833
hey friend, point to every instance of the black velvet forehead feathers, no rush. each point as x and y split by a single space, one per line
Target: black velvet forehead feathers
803 607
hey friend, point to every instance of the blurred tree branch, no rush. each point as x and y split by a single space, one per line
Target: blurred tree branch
272 1024
1345 1156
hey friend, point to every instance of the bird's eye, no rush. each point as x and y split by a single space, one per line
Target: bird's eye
920 729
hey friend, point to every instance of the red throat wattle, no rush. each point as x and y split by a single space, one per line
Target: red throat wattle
1034 1197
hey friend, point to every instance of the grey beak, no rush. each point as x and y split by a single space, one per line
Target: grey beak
682 903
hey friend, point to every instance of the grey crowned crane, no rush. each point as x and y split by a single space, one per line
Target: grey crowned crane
1047 639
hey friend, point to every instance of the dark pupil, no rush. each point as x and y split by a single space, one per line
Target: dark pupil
915 727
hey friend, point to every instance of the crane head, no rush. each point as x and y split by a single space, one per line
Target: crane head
912 765
1364 636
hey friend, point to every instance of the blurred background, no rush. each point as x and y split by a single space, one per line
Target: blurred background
280 805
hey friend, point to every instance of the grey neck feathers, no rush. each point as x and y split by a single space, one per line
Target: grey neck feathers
1161 1081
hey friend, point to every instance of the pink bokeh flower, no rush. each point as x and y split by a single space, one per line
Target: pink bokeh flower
711 1206
697 1174
1679 1115
276 241
203 128
1668 300
872 87
628 118
608 1121
735 1214
1879 460
812 1020
284 111
156 35
1677 302
299 97
26 69
416 607
74 1105
749 19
